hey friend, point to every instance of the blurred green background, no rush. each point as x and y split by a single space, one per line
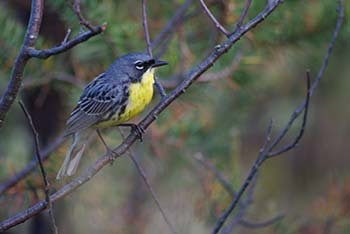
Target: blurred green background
223 120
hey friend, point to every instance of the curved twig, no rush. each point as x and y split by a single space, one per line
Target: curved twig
213 19
42 169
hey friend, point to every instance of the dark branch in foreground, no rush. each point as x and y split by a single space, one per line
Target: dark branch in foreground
265 154
42 169
107 158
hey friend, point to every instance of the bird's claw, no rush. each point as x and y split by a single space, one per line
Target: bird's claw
139 131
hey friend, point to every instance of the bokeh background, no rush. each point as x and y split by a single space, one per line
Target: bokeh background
224 120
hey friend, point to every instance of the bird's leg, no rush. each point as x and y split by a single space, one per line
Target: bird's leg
136 128
113 154
159 87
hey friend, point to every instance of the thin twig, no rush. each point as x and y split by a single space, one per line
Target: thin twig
145 28
107 158
262 224
171 25
158 85
223 181
174 80
66 37
42 169
243 208
13 180
144 177
243 14
227 186
82 20
213 19
292 145
43 54
264 155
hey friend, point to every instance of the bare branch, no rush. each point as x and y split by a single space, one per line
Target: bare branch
174 80
42 169
107 158
145 28
82 20
265 154
213 19
243 208
171 25
144 177
243 14
292 145
223 181
67 36
262 224
150 188
13 180
243 204
30 38
43 54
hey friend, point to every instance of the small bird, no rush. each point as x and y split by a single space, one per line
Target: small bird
111 99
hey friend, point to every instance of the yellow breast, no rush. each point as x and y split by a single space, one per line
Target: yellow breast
140 95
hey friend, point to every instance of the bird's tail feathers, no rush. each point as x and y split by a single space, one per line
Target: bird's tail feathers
74 154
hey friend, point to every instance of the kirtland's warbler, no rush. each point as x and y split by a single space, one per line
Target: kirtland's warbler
111 99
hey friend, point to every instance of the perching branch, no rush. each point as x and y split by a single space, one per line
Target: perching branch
213 19
263 155
104 160
42 169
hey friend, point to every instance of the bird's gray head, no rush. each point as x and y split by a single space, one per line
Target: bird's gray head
134 65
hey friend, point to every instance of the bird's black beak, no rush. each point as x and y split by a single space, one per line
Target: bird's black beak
158 63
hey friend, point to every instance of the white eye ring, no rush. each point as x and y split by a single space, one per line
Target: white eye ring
139 65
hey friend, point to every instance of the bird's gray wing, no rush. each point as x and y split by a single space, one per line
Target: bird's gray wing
100 97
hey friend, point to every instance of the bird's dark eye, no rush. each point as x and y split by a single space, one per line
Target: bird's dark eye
139 65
